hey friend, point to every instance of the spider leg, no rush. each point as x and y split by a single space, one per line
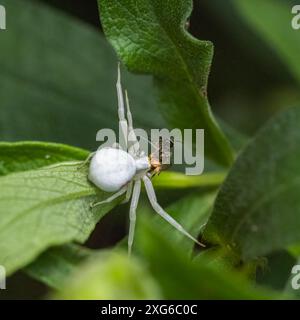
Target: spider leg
134 148
132 213
63 164
155 205
128 192
121 112
89 157
111 198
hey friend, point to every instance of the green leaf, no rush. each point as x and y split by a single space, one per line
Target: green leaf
276 272
257 209
54 266
56 263
180 278
52 91
273 22
204 279
192 213
150 37
45 207
22 156
221 259
110 276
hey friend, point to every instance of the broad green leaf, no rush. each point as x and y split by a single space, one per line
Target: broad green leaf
205 279
276 270
111 276
57 80
192 213
236 138
150 37
55 266
258 207
272 20
23 156
180 278
56 263
220 258
43 208
18 161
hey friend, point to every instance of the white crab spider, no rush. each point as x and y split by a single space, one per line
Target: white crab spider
115 170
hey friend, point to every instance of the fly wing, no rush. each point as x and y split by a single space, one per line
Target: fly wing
162 152
166 152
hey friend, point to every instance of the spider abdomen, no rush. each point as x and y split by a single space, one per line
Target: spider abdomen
111 169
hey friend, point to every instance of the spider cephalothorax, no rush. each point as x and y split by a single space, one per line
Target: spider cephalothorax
115 170
160 158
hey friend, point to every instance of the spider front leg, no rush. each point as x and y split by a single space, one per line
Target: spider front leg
126 126
134 147
111 198
155 205
123 125
132 213
88 159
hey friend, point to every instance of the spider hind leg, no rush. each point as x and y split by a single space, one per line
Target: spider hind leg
132 213
158 209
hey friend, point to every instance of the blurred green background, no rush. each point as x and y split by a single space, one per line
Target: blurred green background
42 98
